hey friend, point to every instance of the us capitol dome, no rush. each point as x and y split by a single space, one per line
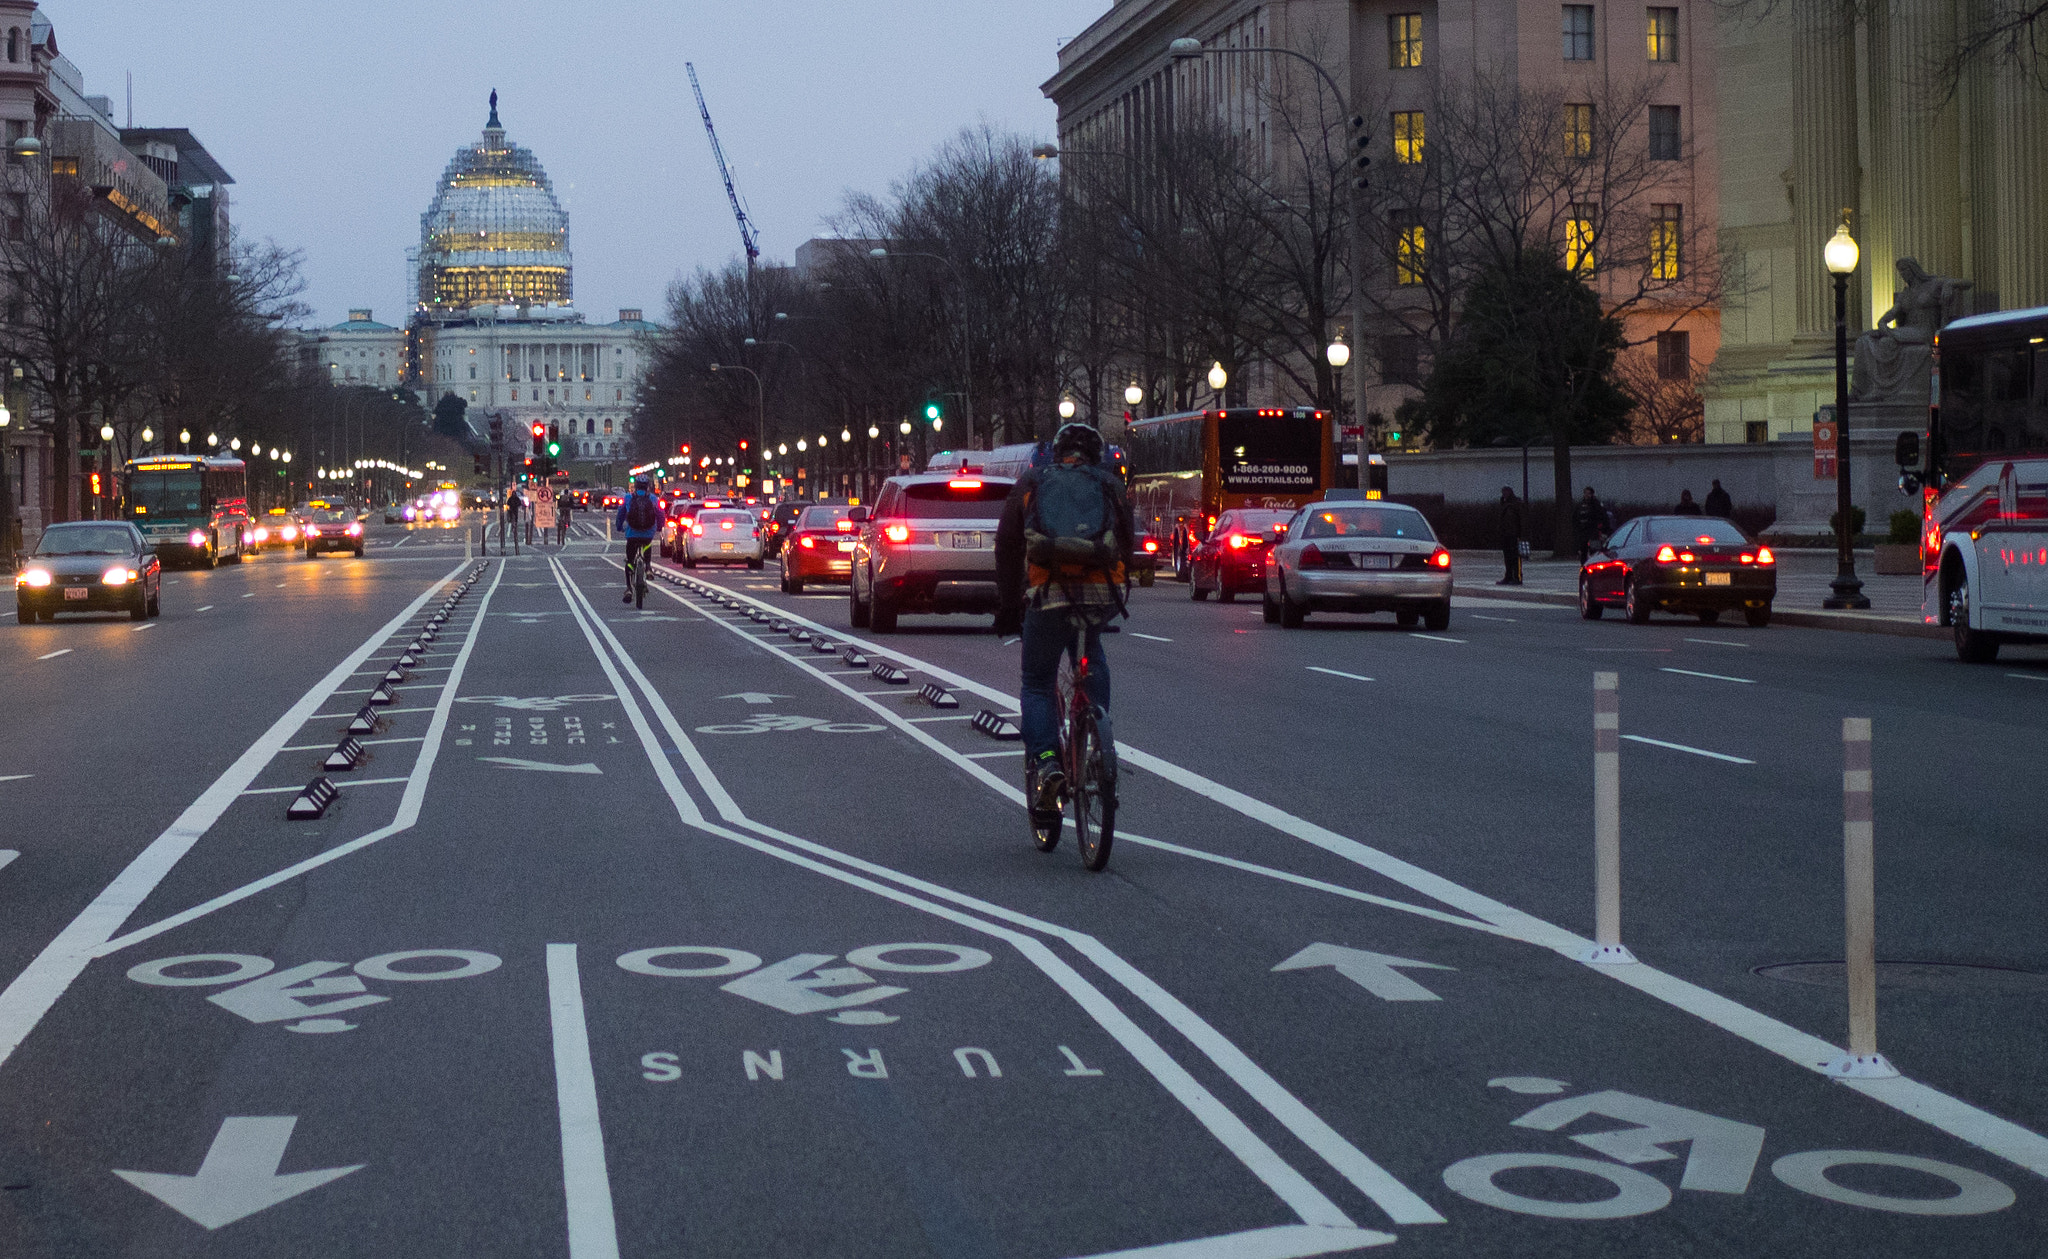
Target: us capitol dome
494 234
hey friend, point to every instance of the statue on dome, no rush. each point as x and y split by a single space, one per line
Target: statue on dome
1895 359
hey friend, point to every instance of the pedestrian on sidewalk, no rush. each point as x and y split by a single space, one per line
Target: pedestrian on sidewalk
1510 538
1590 521
1718 502
512 505
1686 505
563 506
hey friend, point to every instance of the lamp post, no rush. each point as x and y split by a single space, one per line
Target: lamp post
1218 379
1337 354
1845 591
966 345
106 470
6 489
760 403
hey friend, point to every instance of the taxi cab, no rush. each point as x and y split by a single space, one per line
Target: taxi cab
332 529
819 547
275 530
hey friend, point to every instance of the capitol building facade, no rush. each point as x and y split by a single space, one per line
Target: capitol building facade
493 321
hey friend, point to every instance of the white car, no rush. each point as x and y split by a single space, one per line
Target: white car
723 536
1349 555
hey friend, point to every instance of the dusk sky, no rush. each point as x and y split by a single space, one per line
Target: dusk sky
336 119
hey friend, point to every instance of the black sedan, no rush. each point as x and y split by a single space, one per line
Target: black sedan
1695 565
89 566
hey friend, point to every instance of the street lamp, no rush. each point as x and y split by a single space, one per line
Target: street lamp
106 432
904 428
1067 408
1338 353
6 486
148 434
1218 378
1845 591
845 435
873 432
184 437
235 444
212 440
1134 393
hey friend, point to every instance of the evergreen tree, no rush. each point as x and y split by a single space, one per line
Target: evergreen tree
448 421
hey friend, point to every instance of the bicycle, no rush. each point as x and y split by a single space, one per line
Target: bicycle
640 563
1088 766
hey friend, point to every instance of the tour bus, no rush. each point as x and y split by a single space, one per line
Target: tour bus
190 507
1982 474
1188 469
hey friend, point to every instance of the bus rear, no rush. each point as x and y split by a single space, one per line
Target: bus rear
1188 469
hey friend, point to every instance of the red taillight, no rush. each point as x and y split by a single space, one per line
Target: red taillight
696 531
725 524
1152 544
963 483
1747 558
1686 557
1705 539
1665 555
897 533
1441 558
1239 541
1311 557
1764 556
844 526
808 544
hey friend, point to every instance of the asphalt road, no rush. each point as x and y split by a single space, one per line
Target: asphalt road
661 932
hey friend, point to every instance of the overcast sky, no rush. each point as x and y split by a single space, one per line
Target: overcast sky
336 119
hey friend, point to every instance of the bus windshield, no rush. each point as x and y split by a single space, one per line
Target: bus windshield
165 495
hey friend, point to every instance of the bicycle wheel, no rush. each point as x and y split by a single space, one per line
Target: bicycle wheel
1045 829
1094 795
640 585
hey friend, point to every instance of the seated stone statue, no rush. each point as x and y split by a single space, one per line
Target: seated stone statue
1894 360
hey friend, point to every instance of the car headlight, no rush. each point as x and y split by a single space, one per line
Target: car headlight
197 537
262 534
290 533
118 576
37 577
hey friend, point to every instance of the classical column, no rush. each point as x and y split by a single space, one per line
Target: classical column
2022 180
1925 172
1823 156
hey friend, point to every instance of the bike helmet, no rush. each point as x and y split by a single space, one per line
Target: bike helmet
642 483
1077 438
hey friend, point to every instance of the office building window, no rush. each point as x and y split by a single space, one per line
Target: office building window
1578 131
1666 234
1663 34
1411 248
1674 356
1756 431
1408 136
1580 231
1578 32
1404 41
1666 143
1400 361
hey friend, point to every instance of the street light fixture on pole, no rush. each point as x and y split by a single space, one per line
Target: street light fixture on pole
966 344
1218 380
1845 591
760 402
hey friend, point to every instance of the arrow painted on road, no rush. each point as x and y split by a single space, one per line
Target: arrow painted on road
239 1176
1374 972
514 762
755 697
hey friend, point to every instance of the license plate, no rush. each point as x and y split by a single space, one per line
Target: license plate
725 546
1720 579
846 546
78 592
1375 561
967 542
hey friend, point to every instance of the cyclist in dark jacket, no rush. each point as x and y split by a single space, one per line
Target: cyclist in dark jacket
641 536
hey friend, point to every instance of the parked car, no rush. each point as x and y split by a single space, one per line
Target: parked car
1694 565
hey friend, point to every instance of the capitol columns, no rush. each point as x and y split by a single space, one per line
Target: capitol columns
2020 120
1823 156
1924 173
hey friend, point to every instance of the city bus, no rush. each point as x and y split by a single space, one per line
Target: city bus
1190 468
193 508
1981 469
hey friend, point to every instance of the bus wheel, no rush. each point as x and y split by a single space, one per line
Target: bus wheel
1973 646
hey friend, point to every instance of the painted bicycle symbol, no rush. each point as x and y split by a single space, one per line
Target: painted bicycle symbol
535 703
763 723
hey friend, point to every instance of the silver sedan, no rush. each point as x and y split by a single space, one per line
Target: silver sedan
1356 556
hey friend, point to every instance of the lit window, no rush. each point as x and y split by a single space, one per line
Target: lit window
1666 141
1674 356
1411 246
1404 41
1579 231
1664 34
1666 233
472 395
1578 32
1578 131
1408 136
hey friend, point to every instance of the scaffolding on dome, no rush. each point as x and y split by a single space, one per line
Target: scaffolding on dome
494 234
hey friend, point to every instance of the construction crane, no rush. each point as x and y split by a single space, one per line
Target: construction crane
732 194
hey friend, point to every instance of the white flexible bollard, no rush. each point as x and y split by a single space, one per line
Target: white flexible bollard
1859 908
1607 948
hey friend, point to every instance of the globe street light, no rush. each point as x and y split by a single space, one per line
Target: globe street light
873 432
1134 393
904 428
1338 354
106 432
234 443
1845 591
1067 408
184 437
845 435
148 434
212 440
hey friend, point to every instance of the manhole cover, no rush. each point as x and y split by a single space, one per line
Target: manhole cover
1918 976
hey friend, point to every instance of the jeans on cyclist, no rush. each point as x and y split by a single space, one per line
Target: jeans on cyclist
1047 636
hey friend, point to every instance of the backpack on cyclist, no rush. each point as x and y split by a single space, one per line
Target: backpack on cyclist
1070 531
641 513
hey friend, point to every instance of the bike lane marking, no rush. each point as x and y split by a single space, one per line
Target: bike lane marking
1401 1204
1958 1118
586 1185
46 978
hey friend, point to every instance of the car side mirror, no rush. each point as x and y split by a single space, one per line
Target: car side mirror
858 515
1906 451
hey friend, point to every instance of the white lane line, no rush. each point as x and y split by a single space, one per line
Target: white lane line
382 712
1154 637
250 595
1680 747
1717 642
8 778
7 855
962 717
1477 617
1401 1204
2028 677
280 585
1952 1115
983 756
65 651
145 625
30 996
1437 638
587 1186
1718 677
1338 673
408 808
339 782
322 747
207 608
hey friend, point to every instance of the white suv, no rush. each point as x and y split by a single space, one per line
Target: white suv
927 545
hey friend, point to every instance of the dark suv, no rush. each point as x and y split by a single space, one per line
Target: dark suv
927 545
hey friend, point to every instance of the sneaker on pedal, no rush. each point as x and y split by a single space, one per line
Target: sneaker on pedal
1047 781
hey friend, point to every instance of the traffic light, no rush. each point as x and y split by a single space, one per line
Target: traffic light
684 449
1361 143
933 412
554 441
497 432
540 438
477 461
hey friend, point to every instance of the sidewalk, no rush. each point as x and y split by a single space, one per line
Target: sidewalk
1803 577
